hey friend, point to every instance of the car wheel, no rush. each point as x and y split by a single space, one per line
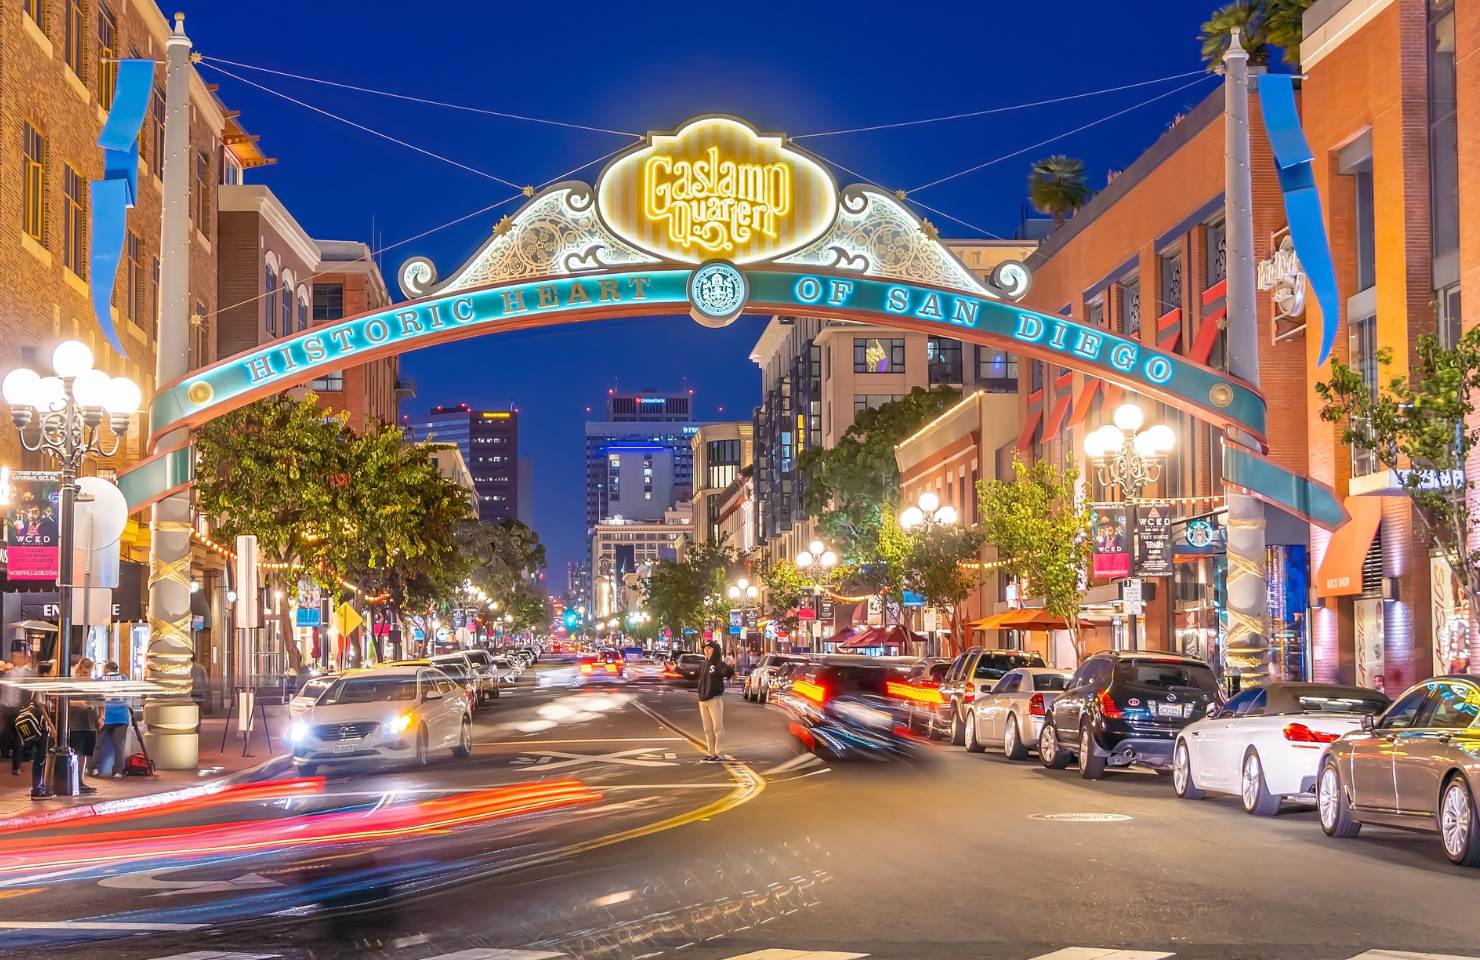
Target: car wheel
464 748
969 738
1458 824
1182 781
1336 820
1012 743
1091 766
958 728
422 752
1048 749
1253 791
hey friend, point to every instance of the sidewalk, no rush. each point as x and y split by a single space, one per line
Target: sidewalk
216 768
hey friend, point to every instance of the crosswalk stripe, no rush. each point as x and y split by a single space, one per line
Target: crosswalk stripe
776 953
219 955
800 760
1102 953
490 953
97 925
1406 955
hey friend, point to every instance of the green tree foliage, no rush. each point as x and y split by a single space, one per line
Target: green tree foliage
502 555
933 567
1056 186
1041 529
1422 426
1264 26
853 485
690 592
785 586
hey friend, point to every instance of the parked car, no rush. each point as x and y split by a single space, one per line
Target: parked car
460 668
685 669
972 673
1125 707
382 715
1416 767
1265 744
840 707
758 681
308 695
488 674
1011 715
505 669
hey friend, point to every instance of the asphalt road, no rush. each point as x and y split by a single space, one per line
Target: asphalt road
585 826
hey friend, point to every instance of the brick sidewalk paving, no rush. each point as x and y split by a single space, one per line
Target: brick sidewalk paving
214 766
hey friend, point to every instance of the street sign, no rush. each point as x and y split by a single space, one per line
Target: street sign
875 610
347 619
1131 596
826 609
807 610
1154 541
913 599
736 618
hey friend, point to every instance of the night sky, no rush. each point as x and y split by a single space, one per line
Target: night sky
795 68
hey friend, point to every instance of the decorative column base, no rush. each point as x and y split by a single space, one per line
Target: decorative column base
172 741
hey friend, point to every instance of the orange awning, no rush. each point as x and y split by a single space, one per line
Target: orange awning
1341 570
1030 619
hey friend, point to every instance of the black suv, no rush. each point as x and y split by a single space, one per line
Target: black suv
1123 707
975 671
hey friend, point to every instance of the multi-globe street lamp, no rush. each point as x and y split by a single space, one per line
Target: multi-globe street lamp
1126 456
63 416
743 589
927 509
819 555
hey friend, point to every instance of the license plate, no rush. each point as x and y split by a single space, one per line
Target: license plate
345 747
1172 709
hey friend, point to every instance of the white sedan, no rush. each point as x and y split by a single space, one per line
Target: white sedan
1265 744
383 715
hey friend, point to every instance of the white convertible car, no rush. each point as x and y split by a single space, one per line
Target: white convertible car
1265 744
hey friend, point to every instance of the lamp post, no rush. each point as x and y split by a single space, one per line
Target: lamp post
63 416
1129 458
818 556
925 514
1126 456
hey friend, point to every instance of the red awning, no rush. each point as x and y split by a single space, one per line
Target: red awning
1341 569
891 636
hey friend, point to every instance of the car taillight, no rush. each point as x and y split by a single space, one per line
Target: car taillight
585 668
1107 705
611 668
670 674
812 691
968 692
1035 705
1300 733
905 691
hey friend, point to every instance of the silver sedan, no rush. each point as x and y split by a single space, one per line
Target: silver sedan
1011 714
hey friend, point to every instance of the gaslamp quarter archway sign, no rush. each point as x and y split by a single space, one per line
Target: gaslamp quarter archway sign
713 220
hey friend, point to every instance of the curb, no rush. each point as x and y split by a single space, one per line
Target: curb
47 818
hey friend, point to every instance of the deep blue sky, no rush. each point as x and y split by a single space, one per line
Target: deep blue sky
796 68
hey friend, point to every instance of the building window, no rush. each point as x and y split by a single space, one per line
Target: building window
74 40
286 300
1035 376
943 360
154 300
1094 312
1130 308
1449 322
996 370
1443 130
302 309
107 56
134 277
1366 215
269 297
1215 237
328 302
723 464
1171 283
1364 361
872 401
331 382
156 126
878 355
74 222
203 192
200 337
36 10
33 180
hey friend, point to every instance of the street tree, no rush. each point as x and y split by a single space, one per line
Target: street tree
1041 528
1421 425
690 592
1056 186
786 587
1264 27
940 565
851 486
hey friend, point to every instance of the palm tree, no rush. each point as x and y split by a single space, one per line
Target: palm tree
1265 25
1056 186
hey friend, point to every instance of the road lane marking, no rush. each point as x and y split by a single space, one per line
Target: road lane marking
776 953
540 741
547 759
1102 953
154 880
489 953
218 955
800 760
108 925
1405 955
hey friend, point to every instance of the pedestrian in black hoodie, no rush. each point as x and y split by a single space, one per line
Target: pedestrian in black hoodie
712 677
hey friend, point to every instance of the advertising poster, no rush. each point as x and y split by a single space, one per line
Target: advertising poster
1368 622
1112 557
31 526
309 599
1451 620
1154 541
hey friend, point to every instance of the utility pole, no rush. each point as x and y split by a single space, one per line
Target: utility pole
173 722
1246 650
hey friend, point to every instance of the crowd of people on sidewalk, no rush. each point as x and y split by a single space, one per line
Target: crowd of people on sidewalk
28 726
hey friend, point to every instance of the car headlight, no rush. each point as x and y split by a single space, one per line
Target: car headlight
397 724
297 732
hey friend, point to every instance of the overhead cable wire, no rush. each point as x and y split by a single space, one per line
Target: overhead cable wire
1003 109
422 100
1067 133
370 130
896 194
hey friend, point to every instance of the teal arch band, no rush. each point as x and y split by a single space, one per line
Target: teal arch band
505 307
